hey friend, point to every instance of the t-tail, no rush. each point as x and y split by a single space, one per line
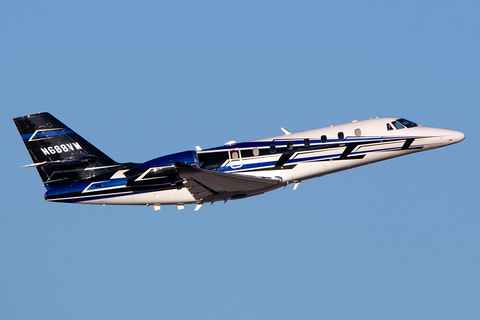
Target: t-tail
60 155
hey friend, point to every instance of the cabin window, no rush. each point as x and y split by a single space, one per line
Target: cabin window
324 139
234 155
246 153
290 145
306 142
358 132
398 125
389 127
273 148
341 136
256 152
212 160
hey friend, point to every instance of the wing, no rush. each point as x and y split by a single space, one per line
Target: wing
207 186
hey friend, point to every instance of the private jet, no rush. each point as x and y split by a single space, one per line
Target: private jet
74 171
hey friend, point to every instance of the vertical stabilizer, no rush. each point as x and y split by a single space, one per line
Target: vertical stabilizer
59 154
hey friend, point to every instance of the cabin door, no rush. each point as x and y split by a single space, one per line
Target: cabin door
235 159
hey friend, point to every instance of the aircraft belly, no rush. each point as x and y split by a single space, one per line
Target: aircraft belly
128 199
306 170
166 197
336 166
172 196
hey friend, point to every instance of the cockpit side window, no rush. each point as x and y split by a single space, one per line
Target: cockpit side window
397 125
389 127
406 123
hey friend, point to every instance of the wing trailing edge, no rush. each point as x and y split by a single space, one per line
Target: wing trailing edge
207 186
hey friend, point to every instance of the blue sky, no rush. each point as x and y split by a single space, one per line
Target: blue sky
394 240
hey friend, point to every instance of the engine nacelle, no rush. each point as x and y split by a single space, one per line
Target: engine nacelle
187 157
161 170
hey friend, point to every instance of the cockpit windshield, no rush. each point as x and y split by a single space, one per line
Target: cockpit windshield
406 123
398 125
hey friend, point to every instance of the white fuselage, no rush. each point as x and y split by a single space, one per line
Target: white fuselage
294 157
373 130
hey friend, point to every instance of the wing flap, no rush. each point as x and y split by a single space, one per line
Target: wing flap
206 185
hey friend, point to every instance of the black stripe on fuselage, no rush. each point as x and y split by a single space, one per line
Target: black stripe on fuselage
284 158
120 191
346 154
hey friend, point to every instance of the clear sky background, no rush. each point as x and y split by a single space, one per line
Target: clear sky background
398 239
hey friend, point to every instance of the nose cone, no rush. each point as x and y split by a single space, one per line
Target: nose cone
455 136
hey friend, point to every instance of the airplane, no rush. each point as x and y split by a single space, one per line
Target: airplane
74 171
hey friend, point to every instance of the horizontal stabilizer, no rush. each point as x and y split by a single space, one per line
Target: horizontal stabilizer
64 163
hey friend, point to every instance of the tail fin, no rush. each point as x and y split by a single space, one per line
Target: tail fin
59 154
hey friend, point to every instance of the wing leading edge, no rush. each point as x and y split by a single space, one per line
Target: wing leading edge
207 186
